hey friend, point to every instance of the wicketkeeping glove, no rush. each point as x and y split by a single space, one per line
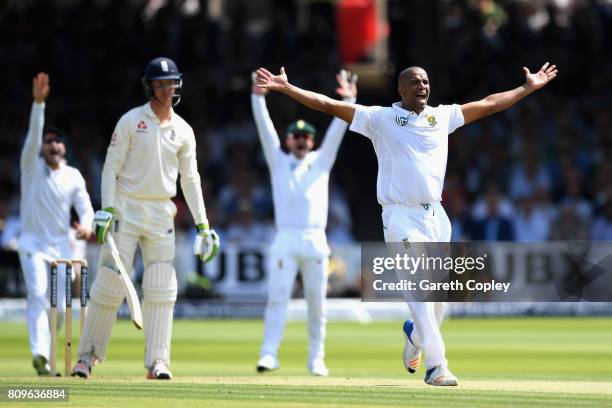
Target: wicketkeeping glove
102 224
206 244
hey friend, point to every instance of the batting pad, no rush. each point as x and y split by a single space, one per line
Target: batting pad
160 288
105 298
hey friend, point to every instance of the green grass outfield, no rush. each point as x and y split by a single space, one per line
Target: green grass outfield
500 362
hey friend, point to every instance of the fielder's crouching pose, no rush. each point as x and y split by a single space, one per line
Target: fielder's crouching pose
49 188
150 147
300 186
410 139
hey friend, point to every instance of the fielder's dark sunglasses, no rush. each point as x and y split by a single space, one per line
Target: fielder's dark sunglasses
303 135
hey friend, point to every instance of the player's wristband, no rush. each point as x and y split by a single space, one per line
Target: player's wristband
201 227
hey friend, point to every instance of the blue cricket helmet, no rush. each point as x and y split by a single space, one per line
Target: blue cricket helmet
162 68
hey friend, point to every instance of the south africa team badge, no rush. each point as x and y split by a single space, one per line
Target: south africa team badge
431 119
407 244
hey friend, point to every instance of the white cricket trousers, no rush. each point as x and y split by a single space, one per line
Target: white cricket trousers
425 222
308 252
36 273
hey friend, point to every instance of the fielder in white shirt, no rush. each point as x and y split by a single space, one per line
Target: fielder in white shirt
150 147
410 139
300 189
49 188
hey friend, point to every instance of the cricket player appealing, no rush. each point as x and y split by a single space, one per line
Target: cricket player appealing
150 147
49 188
410 139
300 187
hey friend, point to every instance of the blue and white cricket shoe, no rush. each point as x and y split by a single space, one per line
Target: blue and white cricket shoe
441 376
412 353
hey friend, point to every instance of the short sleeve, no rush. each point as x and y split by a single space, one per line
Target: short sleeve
455 118
365 120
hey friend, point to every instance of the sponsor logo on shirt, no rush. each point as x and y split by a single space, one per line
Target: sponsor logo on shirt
173 135
431 119
141 127
401 120
113 138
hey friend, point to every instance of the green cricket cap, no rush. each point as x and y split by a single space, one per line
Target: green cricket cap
301 126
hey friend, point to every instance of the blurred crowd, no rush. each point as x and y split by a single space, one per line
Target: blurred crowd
539 171
542 170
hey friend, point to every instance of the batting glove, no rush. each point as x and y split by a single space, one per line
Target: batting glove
102 223
206 244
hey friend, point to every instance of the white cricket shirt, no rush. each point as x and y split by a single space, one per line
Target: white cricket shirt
300 188
144 159
46 194
411 149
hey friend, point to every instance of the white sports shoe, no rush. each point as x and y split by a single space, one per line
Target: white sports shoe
412 353
267 363
159 371
318 368
440 376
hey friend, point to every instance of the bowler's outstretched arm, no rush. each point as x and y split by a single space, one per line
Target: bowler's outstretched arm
316 101
497 102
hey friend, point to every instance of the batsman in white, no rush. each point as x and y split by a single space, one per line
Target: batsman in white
150 147
49 188
300 187
410 139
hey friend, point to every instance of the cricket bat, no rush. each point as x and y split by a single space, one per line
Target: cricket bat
128 286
